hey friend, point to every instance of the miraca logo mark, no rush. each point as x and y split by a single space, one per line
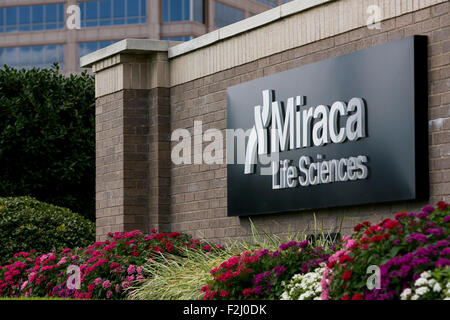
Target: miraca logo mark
295 129
258 139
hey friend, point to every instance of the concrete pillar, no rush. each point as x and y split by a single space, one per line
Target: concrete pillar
154 12
132 134
70 47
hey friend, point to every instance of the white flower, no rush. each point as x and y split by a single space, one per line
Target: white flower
415 297
425 275
405 294
422 290
421 282
437 287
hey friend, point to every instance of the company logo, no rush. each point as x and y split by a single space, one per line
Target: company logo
279 129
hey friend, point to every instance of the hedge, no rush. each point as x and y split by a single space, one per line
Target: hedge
47 137
27 224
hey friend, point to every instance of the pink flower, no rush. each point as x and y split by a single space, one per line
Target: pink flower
98 281
106 284
131 269
23 285
109 294
32 276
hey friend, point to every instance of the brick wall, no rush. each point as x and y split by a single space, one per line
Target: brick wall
198 192
132 160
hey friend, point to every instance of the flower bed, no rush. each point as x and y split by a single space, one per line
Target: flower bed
261 274
107 269
402 248
382 261
407 257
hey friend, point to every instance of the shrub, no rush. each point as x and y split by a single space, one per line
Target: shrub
305 286
27 224
106 269
261 274
402 248
431 285
47 137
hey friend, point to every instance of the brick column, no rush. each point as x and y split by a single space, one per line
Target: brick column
132 136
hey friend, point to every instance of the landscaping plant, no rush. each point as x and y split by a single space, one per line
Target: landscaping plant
400 248
305 286
106 269
47 137
260 274
431 285
27 224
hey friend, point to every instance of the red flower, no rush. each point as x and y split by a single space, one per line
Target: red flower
376 238
345 297
247 292
344 258
358 227
347 275
391 224
400 215
223 293
174 235
135 254
331 264
358 296
442 205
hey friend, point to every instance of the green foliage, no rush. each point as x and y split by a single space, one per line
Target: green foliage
27 224
47 137
181 277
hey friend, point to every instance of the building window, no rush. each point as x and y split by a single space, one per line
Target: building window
85 48
225 15
35 56
183 10
272 3
32 18
112 12
179 38
269 3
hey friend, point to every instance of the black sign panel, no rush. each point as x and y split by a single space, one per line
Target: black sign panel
391 81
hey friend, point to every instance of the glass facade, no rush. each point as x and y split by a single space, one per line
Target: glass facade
85 48
183 10
225 15
32 18
112 12
272 3
35 56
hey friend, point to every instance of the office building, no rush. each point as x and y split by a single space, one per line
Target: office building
36 33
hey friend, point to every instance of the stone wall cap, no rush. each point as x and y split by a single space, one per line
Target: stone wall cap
245 25
136 46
